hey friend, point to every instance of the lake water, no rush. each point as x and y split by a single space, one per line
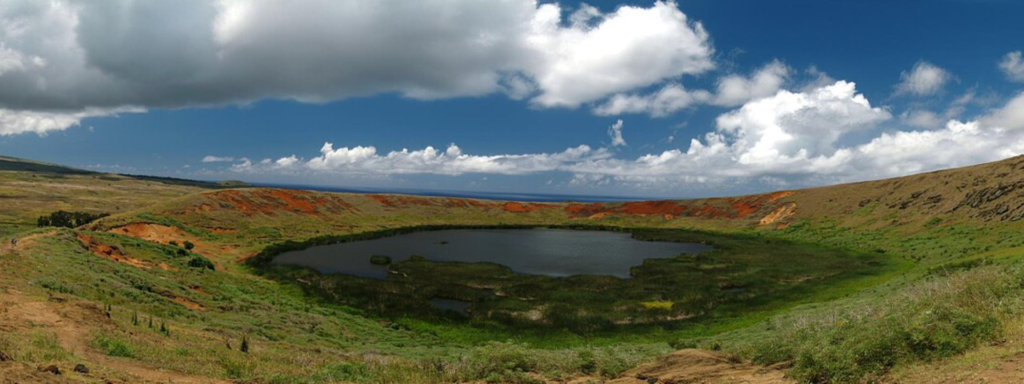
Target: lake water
551 252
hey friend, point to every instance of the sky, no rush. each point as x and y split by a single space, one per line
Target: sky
680 99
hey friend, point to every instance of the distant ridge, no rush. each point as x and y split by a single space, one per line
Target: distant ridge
14 164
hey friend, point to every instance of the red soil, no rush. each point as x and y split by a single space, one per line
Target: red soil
109 252
524 208
646 208
273 201
720 208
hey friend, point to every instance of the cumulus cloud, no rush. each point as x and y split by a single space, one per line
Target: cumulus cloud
218 159
1013 66
790 138
668 100
735 90
451 161
615 133
924 79
732 90
72 56
630 48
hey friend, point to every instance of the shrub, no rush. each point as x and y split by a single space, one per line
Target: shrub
200 262
68 219
380 260
189 245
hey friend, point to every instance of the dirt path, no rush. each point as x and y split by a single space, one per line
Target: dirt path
698 366
72 322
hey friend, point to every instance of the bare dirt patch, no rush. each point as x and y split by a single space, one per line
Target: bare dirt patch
73 323
152 232
779 215
699 366
109 252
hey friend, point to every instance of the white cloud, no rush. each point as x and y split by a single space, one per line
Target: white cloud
790 138
627 49
1013 66
924 79
922 119
732 90
615 133
669 99
76 56
452 161
218 159
14 122
735 90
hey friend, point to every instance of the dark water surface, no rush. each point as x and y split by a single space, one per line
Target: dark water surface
551 252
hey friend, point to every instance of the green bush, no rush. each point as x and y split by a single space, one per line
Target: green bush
200 262
114 347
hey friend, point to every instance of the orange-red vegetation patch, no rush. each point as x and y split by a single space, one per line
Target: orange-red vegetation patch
646 208
721 208
163 234
744 208
296 200
523 208
272 201
403 201
775 196
151 232
578 209
109 252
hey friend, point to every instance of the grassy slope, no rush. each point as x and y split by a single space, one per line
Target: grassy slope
935 221
29 189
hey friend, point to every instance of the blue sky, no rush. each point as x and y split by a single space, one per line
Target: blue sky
937 84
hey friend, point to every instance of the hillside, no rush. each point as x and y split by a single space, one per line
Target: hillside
788 265
29 189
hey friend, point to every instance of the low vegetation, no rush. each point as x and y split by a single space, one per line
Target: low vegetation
939 317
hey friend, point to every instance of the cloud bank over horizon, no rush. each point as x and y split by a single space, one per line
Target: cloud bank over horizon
790 138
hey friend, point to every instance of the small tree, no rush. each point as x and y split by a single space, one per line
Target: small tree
189 245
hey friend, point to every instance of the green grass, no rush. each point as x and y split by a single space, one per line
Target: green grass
113 347
938 317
